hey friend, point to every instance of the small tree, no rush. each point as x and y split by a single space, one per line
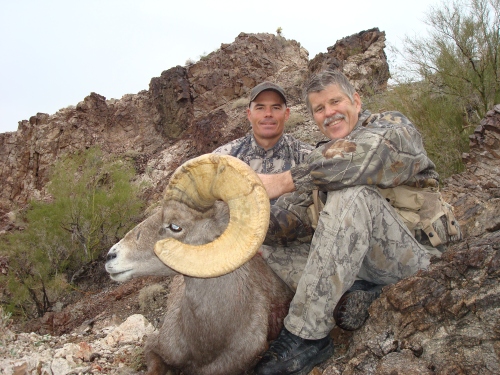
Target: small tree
94 200
461 55
94 204
438 117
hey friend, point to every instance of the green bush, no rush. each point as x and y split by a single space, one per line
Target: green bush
438 117
460 56
94 204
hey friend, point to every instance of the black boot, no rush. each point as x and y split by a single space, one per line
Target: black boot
290 354
352 309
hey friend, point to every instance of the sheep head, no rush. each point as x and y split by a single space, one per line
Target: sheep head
193 233
133 255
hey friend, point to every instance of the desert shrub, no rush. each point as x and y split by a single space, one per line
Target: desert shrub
438 117
5 322
94 204
240 103
294 120
4 319
460 55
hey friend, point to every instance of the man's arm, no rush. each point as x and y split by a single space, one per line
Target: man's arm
277 184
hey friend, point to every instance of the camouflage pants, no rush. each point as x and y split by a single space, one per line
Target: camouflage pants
359 235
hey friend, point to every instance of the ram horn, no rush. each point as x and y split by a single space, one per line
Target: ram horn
199 183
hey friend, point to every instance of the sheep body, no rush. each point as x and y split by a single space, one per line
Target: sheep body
213 326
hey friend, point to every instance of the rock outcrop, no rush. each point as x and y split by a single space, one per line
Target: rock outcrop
361 57
476 192
442 321
185 112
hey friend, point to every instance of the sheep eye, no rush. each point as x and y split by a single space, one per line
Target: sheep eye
174 228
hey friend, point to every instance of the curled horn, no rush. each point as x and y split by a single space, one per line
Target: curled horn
198 183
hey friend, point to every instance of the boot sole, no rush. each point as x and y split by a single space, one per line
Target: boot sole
322 356
355 310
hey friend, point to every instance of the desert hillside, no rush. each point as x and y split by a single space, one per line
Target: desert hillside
441 321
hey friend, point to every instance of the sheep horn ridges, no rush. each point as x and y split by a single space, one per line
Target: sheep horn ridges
198 183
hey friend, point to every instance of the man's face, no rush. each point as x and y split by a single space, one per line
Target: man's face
268 114
333 111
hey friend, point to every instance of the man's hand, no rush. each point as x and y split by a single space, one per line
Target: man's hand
277 184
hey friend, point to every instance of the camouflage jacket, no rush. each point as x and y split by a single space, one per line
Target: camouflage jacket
288 152
383 149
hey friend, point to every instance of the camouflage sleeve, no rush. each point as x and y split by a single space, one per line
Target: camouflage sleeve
385 150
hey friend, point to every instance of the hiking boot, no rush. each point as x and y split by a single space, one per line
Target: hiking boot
290 354
352 309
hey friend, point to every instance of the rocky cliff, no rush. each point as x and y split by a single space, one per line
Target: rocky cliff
156 127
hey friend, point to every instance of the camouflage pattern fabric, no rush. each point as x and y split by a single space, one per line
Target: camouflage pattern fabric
288 262
287 227
359 235
290 220
288 152
383 149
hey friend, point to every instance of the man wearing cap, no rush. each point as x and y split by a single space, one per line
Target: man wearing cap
267 149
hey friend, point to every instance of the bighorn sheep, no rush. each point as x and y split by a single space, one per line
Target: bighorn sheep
213 220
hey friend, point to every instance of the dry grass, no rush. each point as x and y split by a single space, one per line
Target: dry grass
294 120
151 296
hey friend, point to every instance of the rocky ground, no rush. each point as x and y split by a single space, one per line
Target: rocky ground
96 332
440 321
99 332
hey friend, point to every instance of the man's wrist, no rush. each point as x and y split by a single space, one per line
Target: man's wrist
277 184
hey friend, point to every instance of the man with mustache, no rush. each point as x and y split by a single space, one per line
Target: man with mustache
362 240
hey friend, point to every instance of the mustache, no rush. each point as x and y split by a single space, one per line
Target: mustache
330 119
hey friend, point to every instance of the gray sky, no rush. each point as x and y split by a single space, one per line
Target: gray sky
53 53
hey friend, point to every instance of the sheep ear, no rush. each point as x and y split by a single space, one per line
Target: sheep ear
199 183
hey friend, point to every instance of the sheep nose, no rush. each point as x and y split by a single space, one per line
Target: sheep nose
110 256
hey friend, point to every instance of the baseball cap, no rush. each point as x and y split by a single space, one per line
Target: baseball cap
264 86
